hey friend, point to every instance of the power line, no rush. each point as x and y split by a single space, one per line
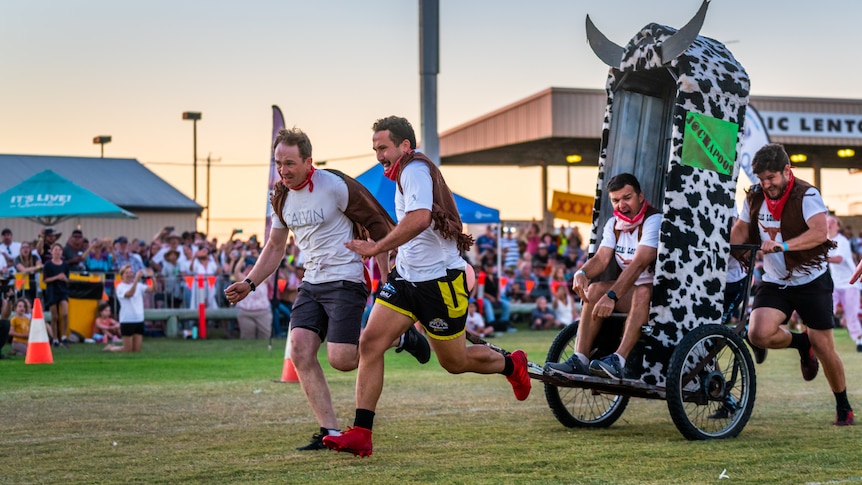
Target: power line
260 165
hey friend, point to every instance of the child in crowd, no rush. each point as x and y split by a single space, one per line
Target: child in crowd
20 327
565 310
475 322
106 328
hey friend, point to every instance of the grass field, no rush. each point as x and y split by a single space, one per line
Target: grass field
209 412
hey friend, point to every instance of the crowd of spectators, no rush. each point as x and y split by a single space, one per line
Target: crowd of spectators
535 265
538 268
169 261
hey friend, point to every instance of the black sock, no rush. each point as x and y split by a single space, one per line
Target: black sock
841 402
364 418
508 367
799 341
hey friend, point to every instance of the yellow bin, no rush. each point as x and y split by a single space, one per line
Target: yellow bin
85 292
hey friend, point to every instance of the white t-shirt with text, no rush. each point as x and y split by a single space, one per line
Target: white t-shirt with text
625 247
318 222
774 269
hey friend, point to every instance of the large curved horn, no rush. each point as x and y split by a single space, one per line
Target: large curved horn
682 39
610 53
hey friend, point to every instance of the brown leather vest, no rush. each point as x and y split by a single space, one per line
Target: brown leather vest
792 225
444 211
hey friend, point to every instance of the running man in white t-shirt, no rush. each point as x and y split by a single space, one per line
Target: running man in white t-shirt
630 237
786 216
429 283
334 292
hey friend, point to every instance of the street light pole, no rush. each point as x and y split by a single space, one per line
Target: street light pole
194 116
101 140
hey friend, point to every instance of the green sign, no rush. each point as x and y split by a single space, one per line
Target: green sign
709 143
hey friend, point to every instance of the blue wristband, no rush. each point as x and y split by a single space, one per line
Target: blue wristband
784 245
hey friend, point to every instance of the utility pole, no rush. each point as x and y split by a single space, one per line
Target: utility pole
209 160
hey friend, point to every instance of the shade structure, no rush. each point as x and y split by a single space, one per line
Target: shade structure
384 190
48 198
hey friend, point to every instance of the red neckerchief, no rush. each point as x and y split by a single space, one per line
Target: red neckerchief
392 171
776 206
625 224
307 181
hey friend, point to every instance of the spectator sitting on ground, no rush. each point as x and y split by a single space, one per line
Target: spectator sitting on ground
19 328
475 322
106 328
542 317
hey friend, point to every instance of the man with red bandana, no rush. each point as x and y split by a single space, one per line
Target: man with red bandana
429 283
631 238
786 216
321 207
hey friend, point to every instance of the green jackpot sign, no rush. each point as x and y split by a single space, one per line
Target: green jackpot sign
709 143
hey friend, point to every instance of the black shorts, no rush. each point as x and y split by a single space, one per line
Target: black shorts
812 301
129 329
331 309
440 305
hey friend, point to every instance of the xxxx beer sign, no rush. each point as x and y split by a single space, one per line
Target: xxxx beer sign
572 207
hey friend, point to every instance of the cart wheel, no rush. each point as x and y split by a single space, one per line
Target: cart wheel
711 384
576 407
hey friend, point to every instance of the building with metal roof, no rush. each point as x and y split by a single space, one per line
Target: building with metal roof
549 126
560 126
124 181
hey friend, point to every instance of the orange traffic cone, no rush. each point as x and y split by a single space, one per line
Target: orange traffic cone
288 372
38 346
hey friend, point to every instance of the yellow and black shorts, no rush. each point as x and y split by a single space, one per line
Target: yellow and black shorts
440 305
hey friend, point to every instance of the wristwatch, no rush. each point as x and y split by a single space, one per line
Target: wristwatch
612 295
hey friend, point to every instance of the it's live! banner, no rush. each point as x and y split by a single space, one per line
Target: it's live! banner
572 207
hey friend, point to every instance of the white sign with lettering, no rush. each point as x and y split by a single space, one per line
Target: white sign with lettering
830 125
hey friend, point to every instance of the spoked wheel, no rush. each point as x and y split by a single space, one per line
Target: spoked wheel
710 384
576 407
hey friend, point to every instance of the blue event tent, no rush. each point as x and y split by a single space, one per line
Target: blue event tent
384 190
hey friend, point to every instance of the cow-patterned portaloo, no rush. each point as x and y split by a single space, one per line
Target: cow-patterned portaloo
698 204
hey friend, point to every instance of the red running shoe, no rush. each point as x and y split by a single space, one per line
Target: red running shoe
808 363
846 420
520 378
355 440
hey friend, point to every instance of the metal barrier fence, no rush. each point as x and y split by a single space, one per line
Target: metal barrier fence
171 301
